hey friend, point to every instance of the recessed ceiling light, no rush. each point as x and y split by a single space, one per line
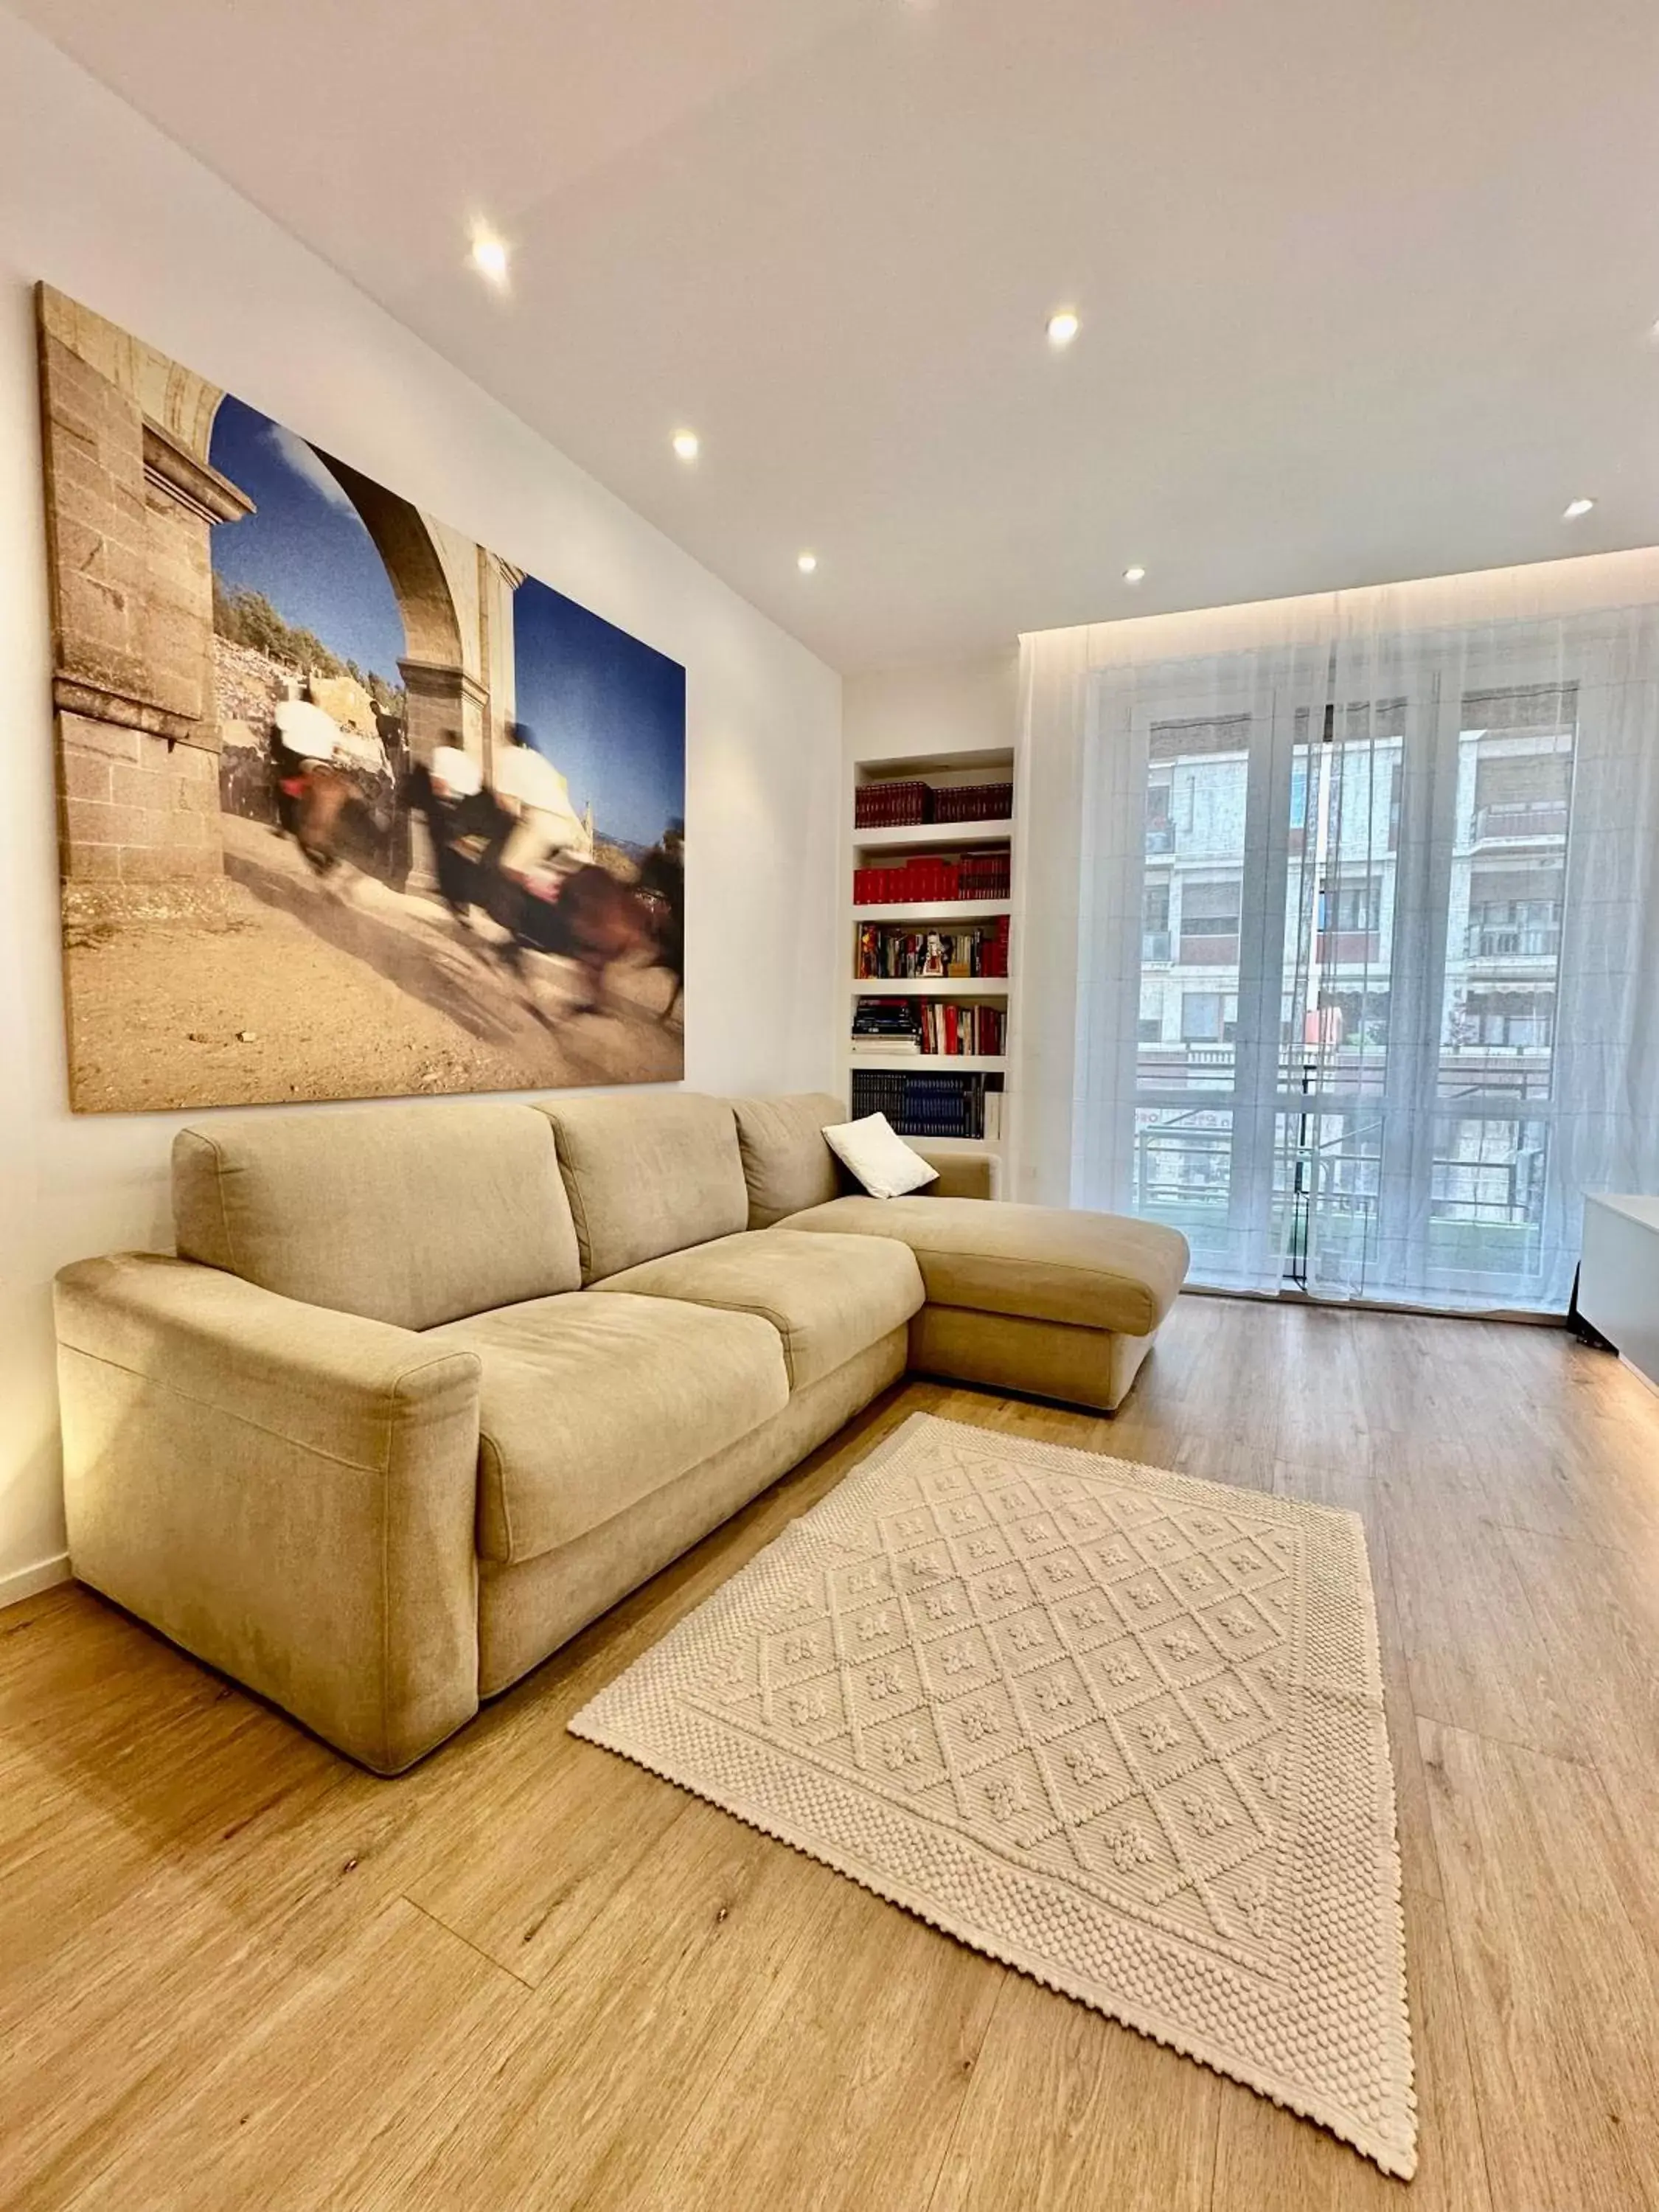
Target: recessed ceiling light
1063 326
687 444
1135 575
1574 508
490 257
806 562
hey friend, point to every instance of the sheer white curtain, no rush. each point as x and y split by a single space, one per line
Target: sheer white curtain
1361 984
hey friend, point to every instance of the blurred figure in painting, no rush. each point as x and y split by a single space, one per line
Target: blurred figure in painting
448 790
662 881
547 822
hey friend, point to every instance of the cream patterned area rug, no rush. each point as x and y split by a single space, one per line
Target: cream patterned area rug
1116 1726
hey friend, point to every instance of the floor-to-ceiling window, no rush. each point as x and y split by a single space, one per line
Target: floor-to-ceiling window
1365 892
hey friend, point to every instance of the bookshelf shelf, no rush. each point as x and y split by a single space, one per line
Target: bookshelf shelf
963 1090
966 1063
933 836
931 987
961 1143
922 913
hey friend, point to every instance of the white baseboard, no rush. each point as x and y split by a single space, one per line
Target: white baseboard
24 1582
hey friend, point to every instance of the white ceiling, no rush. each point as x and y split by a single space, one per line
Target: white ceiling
1366 284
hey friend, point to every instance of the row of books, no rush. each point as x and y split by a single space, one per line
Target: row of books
891 1027
930 876
890 805
896 805
887 950
974 802
926 1105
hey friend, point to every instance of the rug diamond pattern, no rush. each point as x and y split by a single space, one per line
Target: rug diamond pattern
1108 1685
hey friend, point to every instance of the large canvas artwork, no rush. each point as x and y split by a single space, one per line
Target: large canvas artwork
349 804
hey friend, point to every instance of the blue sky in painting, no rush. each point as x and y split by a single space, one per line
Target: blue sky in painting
608 712
305 545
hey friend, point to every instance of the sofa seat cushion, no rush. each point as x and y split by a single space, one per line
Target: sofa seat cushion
588 1404
828 1298
1046 1262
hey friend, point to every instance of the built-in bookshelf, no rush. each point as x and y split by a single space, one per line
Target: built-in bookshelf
930 909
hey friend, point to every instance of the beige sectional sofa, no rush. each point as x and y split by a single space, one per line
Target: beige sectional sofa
429 1387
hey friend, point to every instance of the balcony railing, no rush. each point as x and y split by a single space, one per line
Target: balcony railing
1205 949
1176 1168
1348 948
1526 818
1538 941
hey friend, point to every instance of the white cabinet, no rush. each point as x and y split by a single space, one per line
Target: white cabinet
1618 1278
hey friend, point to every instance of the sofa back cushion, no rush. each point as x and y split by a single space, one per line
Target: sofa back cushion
646 1175
405 1213
786 1165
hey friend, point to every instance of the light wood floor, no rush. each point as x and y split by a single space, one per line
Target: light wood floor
235 1972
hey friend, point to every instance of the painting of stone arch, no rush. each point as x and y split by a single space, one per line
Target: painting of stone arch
350 806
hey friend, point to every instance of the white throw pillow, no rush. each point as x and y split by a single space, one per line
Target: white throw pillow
878 1156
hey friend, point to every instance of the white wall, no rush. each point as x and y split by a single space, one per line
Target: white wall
942 706
94 200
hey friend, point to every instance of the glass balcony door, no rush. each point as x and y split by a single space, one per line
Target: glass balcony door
1350 908
1212 914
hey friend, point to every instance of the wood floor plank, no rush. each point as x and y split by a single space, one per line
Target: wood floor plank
368 2046
79 1834
1474 1655
1217 1458
1067 2108
1601 1627
63 1651
1633 1819
1327 1423
1410 1387
523 1872
754 2031
844 2089
102 2035
1559 2001
604 2070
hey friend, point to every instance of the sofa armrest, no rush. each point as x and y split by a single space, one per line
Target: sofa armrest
288 1493
961 1175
